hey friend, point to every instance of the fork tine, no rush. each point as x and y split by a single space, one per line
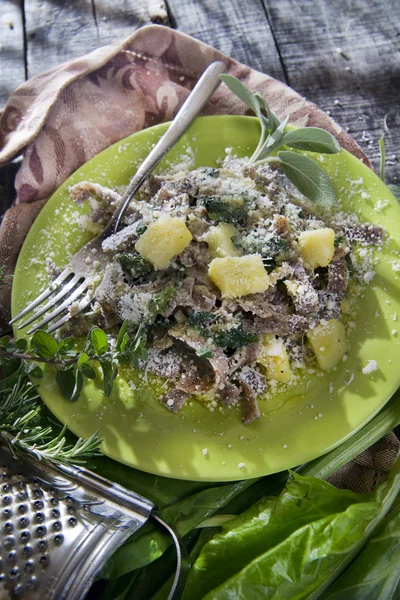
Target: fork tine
52 302
51 289
75 294
82 305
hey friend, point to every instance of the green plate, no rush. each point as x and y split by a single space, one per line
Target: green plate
297 423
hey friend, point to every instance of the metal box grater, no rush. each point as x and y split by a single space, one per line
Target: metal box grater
58 525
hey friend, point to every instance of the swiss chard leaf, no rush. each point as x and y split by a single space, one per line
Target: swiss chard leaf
312 139
308 177
375 573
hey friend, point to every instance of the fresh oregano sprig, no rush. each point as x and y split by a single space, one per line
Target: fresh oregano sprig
304 173
74 365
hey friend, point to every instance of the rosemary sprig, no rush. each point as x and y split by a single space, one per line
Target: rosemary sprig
304 173
23 426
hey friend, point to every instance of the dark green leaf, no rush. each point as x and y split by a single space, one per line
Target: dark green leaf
233 337
110 372
122 336
66 347
21 344
150 542
85 367
161 299
227 209
375 573
312 139
310 556
31 368
395 189
308 177
134 264
4 341
70 383
99 340
44 344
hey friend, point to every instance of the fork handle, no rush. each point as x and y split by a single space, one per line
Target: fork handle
194 103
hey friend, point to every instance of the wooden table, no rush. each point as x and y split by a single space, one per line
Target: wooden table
342 54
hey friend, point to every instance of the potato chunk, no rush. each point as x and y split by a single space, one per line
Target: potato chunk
238 276
317 247
219 240
163 239
328 342
275 359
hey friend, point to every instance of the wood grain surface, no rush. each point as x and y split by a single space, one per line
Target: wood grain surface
342 54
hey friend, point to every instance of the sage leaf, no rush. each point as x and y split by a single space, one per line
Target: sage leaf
44 344
99 340
274 141
70 383
308 177
242 92
273 121
312 139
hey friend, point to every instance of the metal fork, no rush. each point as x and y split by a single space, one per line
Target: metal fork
70 292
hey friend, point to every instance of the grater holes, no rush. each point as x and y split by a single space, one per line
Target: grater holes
57 526
27 551
40 531
31 583
8 527
12 557
7 500
29 566
37 494
72 521
18 589
22 508
6 488
14 573
55 513
44 561
58 539
42 545
38 505
25 536
7 513
21 496
9 542
23 522
39 517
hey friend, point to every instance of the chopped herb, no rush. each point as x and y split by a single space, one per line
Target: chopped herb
229 209
339 240
161 299
234 337
141 229
205 353
210 172
350 265
133 264
199 318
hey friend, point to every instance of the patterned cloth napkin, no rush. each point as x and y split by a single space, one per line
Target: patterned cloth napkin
65 116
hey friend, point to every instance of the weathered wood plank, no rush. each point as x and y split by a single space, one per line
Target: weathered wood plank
12 68
239 29
345 55
118 19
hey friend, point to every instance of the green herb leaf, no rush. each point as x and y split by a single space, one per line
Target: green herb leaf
85 368
312 139
205 353
123 338
161 300
44 344
272 120
242 92
30 368
308 177
66 347
99 340
134 264
110 372
227 209
21 344
70 383
234 337
273 141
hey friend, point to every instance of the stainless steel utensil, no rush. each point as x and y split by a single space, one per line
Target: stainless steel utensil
58 526
72 285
